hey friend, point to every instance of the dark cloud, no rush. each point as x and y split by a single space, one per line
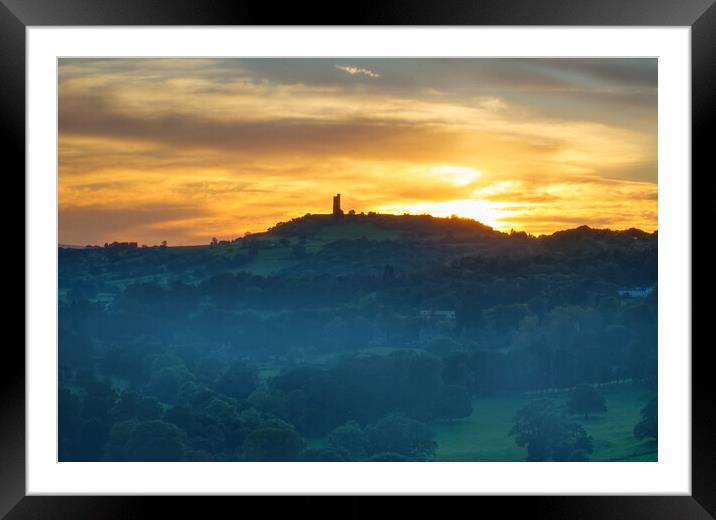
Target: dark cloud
451 73
643 172
638 72
100 186
621 80
212 189
598 89
357 137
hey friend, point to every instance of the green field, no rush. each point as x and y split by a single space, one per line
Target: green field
484 435
271 260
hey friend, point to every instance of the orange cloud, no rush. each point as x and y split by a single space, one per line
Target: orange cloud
185 150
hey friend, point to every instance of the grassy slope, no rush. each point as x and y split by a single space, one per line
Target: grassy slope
484 435
266 262
354 231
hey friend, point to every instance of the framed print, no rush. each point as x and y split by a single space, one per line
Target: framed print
441 252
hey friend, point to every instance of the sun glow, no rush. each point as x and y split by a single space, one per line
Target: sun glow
489 213
456 175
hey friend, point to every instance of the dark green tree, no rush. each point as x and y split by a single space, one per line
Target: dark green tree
541 427
648 426
351 438
585 399
324 455
299 250
132 405
118 436
91 439
69 422
165 382
154 441
396 433
99 398
272 445
74 350
239 380
388 457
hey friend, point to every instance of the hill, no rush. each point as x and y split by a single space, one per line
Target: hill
360 244
407 226
362 325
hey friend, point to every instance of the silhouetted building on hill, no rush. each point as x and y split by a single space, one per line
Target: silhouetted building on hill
337 211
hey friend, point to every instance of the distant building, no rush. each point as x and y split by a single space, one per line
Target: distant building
121 245
636 292
337 211
436 323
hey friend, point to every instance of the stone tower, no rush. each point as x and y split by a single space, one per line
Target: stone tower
337 211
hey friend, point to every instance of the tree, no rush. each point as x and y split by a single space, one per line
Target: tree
272 445
118 435
166 381
154 441
218 409
351 438
648 427
91 438
98 400
124 361
69 423
132 405
74 350
573 445
416 381
315 399
239 380
325 455
387 457
542 428
585 399
299 250
270 401
396 433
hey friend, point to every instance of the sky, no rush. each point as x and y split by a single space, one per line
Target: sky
184 150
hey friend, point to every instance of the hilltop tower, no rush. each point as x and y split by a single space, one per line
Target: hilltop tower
337 211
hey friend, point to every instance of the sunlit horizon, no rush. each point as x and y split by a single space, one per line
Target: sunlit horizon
488 214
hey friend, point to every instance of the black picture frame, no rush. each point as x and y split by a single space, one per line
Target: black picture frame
16 15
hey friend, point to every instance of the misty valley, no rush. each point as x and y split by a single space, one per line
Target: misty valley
362 337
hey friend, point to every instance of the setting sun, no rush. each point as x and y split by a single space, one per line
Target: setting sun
489 213
186 149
